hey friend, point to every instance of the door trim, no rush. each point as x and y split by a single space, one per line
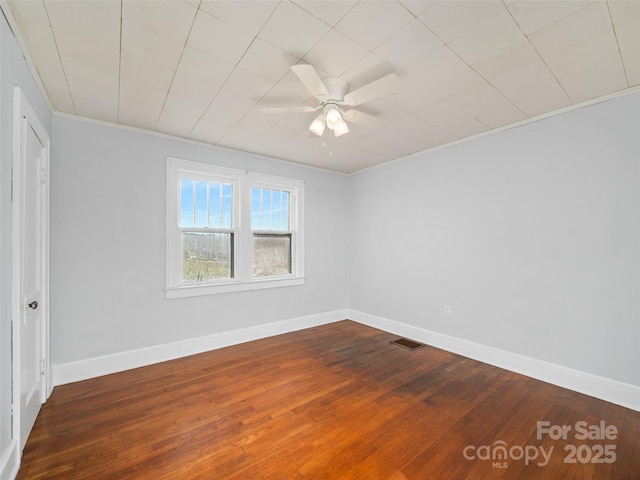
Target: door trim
23 113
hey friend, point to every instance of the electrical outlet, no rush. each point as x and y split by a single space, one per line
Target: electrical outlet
447 310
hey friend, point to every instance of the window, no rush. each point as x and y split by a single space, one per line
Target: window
231 230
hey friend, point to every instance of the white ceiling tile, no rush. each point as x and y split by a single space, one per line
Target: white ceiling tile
414 128
418 7
137 114
452 19
219 39
247 84
173 20
235 139
41 42
92 103
368 69
450 118
199 65
247 15
400 49
493 35
597 59
488 106
514 58
141 93
288 92
412 97
142 71
85 77
521 76
91 54
227 109
335 54
176 123
623 11
329 12
602 82
533 15
189 95
371 23
293 29
186 87
628 35
444 73
267 61
151 46
209 132
572 30
533 89
279 133
98 21
34 11
253 125
193 105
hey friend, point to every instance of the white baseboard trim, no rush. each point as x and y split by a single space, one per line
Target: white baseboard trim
10 461
118 362
613 391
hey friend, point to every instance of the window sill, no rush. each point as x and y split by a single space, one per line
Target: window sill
212 289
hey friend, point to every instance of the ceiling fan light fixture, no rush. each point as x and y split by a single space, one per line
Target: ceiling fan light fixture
341 129
318 126
334 119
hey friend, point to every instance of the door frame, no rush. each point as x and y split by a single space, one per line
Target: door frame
24 114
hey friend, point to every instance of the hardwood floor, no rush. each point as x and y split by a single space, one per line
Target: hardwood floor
333 402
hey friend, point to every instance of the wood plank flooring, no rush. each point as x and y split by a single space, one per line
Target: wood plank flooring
333 402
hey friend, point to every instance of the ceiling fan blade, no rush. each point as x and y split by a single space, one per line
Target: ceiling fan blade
308 75
375 89
363 119
303 109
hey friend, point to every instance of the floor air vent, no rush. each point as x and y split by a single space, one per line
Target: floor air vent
406 343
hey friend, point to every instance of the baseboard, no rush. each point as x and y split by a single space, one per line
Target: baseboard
10 461
613 391
118 362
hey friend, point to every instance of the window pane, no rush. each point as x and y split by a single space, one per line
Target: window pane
265 210
206 256
215 206
271 254
276 210
269 209
255 209
186 202
285 211
201 204
227 200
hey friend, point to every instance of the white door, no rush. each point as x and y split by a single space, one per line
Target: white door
30 258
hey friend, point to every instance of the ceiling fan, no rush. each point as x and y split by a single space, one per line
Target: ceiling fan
332 96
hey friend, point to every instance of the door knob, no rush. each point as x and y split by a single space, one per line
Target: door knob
33 305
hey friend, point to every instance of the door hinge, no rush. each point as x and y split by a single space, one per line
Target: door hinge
43 177
43 366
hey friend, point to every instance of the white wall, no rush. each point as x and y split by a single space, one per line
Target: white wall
108 245
532 235
13 72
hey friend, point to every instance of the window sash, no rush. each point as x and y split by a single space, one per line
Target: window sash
203 265
260 262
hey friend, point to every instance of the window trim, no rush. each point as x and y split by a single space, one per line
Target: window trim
243 181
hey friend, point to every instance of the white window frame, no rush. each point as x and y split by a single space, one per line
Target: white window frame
243 181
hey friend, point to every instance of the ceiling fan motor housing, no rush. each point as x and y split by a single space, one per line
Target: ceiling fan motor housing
337 90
